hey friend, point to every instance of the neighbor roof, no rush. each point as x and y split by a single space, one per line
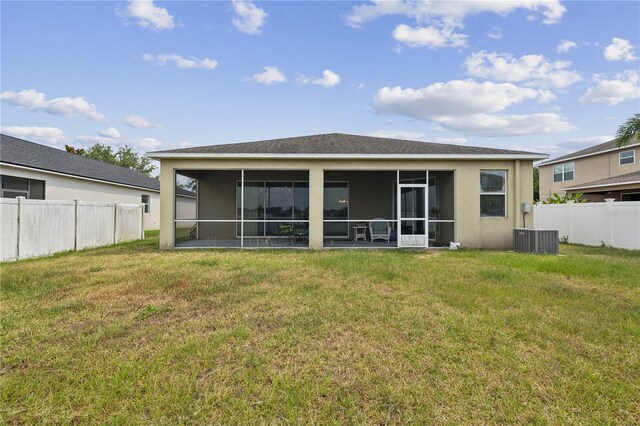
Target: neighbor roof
20 152
339 145
592 150
626 179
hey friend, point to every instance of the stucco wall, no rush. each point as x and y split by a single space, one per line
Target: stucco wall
471 230
587 169
59 187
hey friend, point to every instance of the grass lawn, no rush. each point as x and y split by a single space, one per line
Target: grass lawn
130 335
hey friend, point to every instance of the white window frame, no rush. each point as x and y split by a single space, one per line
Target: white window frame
564 171
147 205
504 193
633 157
628 193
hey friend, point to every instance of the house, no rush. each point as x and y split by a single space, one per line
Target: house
35 171
329 190
599 172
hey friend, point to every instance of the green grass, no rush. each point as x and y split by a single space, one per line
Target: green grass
130 335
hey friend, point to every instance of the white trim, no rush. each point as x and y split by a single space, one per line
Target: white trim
599 186
633 157
506 191
80 177
550 162
199 155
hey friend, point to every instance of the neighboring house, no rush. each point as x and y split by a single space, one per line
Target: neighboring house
599 172
39 172
326 190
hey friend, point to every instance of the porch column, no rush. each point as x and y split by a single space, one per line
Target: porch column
167 206
316 206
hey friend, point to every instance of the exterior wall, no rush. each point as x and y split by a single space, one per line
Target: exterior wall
587 169
60 187
471 230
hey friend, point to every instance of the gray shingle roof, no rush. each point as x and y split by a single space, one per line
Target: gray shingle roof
340 143
606 146
29 154
616 180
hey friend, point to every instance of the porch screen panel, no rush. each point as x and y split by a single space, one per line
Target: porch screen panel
253 208
279 204
336 206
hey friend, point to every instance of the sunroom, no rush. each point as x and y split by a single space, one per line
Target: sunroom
270 209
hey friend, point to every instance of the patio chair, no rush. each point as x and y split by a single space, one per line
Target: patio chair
380 229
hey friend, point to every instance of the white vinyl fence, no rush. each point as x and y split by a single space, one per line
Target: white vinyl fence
614 224
32 228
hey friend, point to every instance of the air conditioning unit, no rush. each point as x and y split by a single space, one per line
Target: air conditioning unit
538 241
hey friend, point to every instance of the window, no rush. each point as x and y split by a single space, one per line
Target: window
13 187
562 172
144 199
630 196
627 157
269 204
493 193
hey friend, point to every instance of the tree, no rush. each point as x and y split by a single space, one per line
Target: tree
536 184
628 131
125 156
72 150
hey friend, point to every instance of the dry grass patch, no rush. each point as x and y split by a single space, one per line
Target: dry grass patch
131 335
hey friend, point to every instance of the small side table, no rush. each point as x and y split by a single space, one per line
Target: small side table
359 232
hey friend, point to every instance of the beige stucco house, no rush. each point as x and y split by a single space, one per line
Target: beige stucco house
599 172
338 190
39 172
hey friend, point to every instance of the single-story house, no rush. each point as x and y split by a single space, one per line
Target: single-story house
35 171
339 190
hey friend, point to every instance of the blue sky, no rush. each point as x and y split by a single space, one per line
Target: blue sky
545 76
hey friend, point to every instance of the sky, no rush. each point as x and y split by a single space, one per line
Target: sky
543 76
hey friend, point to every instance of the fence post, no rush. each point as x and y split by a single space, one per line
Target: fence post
115 222
142 220
608 214
570 221
19 221
75 226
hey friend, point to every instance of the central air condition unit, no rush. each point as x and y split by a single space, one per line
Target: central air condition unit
538 241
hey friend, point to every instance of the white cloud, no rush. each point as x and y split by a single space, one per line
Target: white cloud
620 50
469 107
437 20
508 125
149 15
111 133
565 46
270 75
453 98
48 135
328 79
33 100
623 87
144 144
181 62
399 134
495 33
451 11
92 140
429 37
138 122
249 18
533 70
